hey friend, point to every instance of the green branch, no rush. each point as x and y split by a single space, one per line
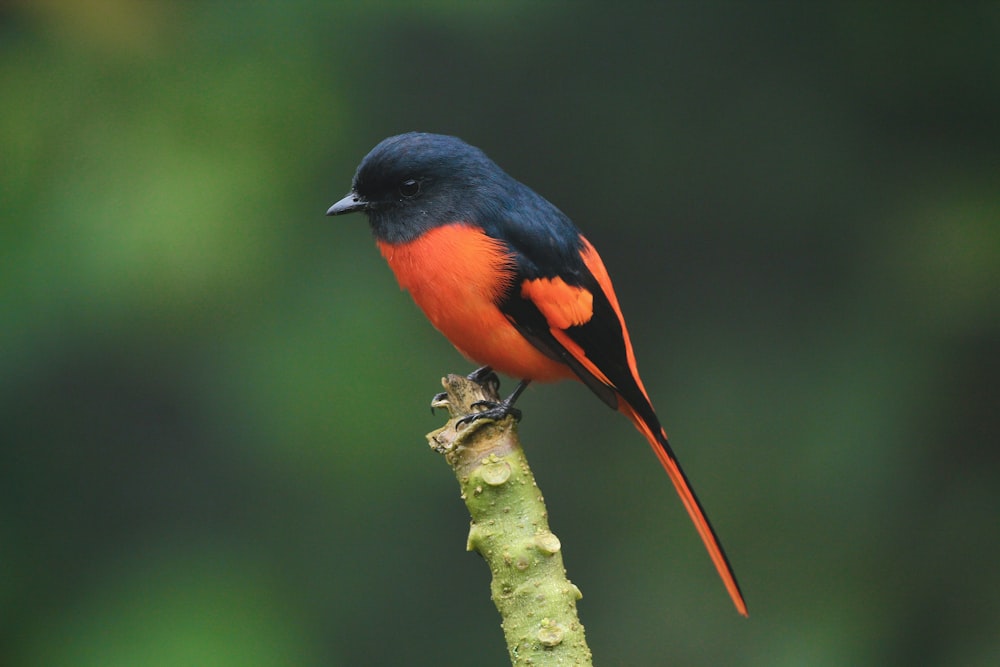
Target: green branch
510 530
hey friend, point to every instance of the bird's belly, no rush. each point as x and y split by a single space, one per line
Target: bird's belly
456 274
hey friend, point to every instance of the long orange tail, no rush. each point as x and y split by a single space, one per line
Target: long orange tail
661 447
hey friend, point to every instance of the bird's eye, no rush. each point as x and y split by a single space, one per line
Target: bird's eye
409 188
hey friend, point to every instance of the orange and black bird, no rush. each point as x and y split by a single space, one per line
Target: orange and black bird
511 282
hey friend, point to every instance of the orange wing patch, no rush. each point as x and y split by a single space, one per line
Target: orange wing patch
563 305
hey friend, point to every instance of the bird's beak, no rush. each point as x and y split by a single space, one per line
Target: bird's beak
349 204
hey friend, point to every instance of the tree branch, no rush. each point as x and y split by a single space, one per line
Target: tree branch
510 530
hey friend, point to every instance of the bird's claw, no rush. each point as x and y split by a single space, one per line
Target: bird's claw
494 411
486 377
439 400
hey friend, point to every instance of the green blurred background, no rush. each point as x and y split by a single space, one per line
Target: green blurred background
213 398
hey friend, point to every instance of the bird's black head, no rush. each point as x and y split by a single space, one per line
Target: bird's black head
413 182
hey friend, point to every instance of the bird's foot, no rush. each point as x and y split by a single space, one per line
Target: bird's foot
491 410
495 411
485 376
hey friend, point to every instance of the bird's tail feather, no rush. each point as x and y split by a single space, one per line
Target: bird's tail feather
661 447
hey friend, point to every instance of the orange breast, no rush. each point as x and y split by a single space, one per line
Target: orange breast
457 274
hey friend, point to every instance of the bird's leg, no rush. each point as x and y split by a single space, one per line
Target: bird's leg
497 410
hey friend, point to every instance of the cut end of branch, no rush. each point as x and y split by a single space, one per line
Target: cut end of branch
453 439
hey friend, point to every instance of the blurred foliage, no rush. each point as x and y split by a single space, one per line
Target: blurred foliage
213 399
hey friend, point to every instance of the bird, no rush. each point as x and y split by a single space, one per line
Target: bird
512 283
